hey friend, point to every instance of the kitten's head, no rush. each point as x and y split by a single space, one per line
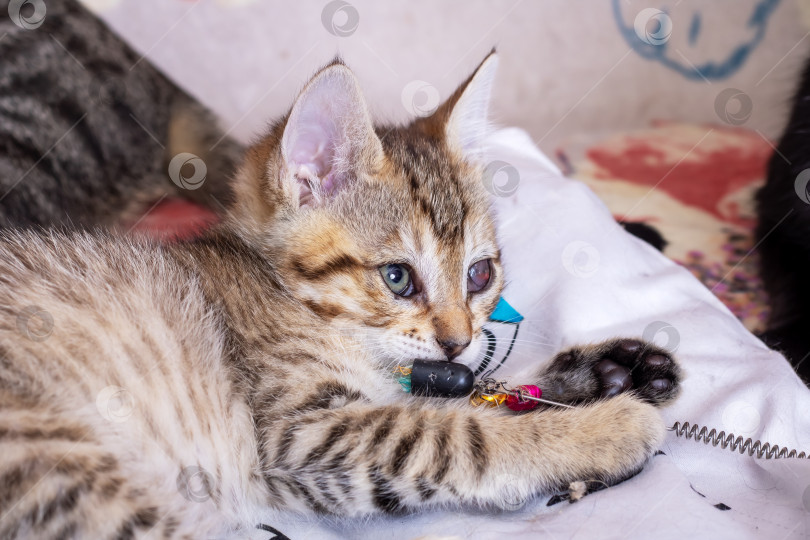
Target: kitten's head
384 233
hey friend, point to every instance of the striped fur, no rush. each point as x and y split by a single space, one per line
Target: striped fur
88 127
181 391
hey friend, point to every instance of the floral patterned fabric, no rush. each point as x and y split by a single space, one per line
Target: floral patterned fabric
694 184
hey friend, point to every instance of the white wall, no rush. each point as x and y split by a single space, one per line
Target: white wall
565 68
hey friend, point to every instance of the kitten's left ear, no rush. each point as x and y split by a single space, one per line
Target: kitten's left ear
465 113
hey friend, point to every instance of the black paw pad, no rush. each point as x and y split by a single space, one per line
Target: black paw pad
615 379
657 360
630 346
631 364
661 385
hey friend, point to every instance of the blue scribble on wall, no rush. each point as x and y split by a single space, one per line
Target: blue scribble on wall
694 29
718 68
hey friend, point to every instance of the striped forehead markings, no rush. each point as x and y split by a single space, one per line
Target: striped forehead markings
439 197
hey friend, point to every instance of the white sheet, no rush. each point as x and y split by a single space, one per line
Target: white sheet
577 277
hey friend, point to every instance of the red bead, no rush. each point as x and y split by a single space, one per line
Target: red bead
517 404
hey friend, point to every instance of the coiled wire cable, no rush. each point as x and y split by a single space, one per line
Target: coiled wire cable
731 442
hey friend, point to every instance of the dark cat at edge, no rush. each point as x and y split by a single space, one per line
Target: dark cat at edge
88 127
783 235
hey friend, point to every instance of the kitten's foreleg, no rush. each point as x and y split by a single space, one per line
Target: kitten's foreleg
364 459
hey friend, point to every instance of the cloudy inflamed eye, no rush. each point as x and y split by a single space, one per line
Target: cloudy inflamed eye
478 275
398 278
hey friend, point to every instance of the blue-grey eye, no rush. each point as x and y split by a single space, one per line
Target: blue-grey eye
398 278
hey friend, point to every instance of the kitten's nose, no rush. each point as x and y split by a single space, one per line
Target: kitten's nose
453 330
452 347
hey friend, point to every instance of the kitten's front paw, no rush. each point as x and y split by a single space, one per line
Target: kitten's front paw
611 368
614 439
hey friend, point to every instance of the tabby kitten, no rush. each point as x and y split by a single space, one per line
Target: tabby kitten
88 127
258 359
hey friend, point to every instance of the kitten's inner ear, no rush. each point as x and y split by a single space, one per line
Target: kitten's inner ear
465 113
328 138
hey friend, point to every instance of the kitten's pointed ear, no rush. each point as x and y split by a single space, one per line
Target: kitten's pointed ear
465 113
328 137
